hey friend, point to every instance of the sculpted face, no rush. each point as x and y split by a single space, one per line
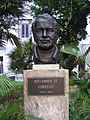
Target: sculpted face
44 29
45 34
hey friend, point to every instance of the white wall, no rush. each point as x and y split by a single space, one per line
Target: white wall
85 44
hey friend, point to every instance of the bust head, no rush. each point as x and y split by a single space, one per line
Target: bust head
45 31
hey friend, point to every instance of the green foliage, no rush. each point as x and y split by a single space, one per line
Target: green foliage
75 51
11 100
9 89
80 99
5 85
21 60
80 88
71 57
84 84
70 15
10 11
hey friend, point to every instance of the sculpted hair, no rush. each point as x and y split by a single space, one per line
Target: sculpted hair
47 17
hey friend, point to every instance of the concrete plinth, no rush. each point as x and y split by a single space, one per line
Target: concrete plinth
51 106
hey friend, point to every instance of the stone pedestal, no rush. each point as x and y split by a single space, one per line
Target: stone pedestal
46 103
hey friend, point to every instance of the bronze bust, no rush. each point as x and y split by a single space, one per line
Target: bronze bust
44 30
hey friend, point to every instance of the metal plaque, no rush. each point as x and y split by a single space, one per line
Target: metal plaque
46 86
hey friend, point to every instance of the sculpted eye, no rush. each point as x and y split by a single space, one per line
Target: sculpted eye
50 29
39 30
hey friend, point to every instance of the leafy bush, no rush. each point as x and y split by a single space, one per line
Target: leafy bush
11 100
80 100
21 60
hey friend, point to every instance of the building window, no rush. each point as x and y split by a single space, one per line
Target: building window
1 64
25 31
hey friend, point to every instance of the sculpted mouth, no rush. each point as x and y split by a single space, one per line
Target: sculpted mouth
45 41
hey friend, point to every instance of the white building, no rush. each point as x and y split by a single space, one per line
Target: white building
23 31
85 44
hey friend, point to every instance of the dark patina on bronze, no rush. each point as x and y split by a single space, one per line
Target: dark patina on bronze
46 86
45 35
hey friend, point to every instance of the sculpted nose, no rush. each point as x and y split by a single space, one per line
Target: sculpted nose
44 33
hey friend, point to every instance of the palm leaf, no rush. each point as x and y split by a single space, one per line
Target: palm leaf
74 51
6 86
16 40
70 50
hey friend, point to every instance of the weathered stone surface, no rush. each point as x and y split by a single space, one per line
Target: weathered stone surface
47 107
46 67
